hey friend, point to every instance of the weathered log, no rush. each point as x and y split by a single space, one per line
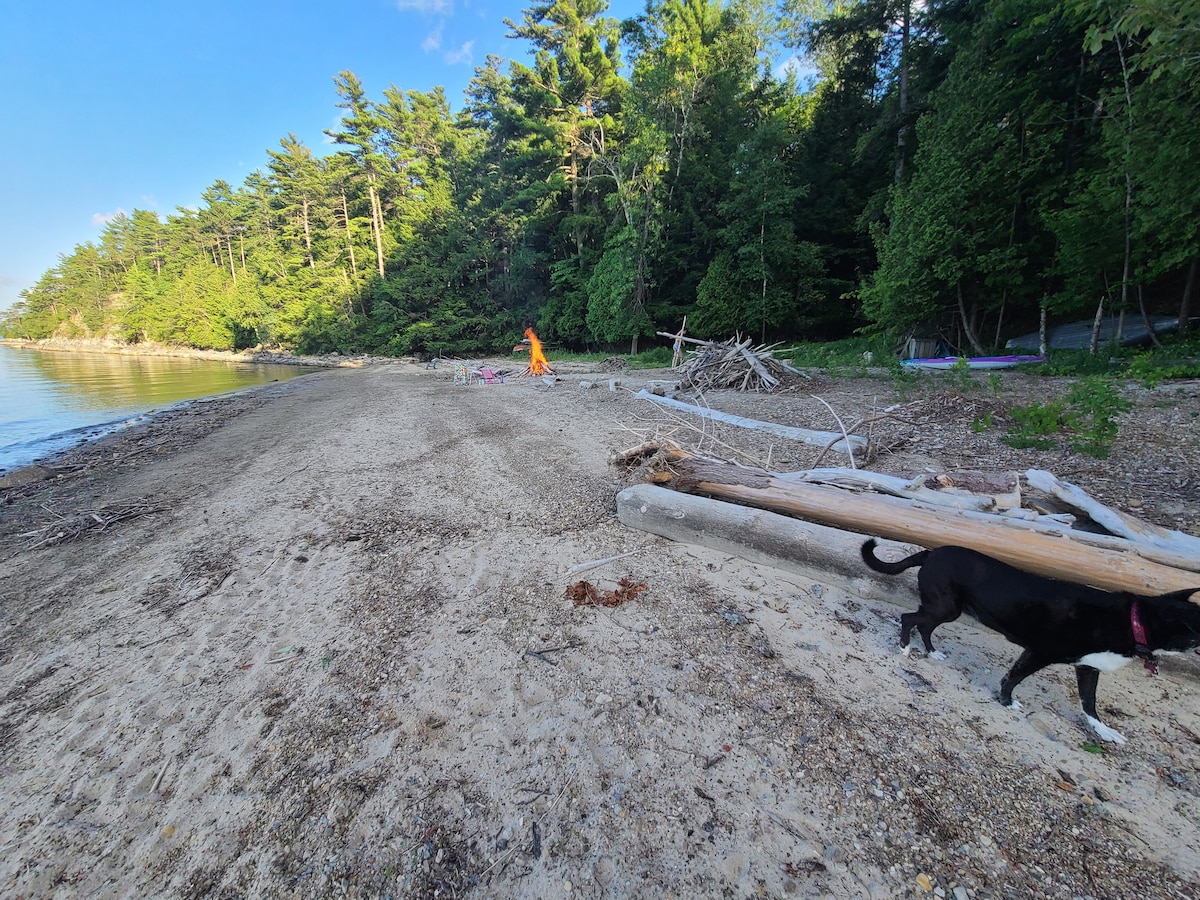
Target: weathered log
1144 534
759 536
906 488
805 435
1021 544
761 370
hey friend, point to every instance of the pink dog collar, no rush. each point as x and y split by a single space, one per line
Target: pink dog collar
1140 646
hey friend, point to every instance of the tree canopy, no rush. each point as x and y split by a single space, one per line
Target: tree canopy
958 167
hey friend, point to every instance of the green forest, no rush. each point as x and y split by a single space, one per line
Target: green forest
957 167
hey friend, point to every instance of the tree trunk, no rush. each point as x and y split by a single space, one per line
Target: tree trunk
1128 263
575 205
902 131
307 233
966 324
1146 319
1185 303
1095 344
349 239
376 220
762 262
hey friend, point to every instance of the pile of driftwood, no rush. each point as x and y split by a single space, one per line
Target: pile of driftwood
731 364
1033 520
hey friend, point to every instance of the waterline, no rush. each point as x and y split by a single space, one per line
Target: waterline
53 400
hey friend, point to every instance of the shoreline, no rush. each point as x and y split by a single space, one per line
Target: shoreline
258 356
53 448
87 438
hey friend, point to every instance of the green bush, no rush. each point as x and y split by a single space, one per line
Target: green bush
1034 424
1089 411
1151 369
1093 406
1079 363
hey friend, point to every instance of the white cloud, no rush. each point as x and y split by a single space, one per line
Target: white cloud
461 55
436 7
433 40
105 218
150 200
335 126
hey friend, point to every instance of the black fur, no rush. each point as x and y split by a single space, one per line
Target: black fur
1053 621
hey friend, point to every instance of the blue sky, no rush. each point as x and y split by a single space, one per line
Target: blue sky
119 105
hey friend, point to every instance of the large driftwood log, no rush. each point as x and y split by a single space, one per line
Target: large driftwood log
805 435
1015 542
756 535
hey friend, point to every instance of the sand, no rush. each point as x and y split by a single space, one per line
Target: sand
317 643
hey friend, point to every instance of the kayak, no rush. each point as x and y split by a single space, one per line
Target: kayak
973 362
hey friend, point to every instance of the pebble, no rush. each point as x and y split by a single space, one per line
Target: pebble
925 882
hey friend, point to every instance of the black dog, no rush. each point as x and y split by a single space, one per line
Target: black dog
1054 621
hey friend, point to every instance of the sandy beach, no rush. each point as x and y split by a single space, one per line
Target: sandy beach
314 640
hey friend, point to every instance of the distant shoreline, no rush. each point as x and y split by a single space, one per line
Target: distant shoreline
255 356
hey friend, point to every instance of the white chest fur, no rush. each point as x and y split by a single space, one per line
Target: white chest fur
1105 661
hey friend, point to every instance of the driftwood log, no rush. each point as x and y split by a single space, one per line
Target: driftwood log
756 535
830 439
1143 534
1041 550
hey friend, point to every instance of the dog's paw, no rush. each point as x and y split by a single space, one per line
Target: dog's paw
906 651
1104 732
938 655
1015 704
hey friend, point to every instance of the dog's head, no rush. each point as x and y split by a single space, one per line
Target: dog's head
1181 614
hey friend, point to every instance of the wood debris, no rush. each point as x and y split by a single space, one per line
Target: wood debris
731 364
66 528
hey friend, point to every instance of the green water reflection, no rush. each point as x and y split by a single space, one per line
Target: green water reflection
51 399
102 380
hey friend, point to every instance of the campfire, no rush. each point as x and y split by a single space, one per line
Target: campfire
538 364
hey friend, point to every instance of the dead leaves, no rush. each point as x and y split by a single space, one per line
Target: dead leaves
584 593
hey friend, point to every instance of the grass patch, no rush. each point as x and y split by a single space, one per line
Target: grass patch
855 354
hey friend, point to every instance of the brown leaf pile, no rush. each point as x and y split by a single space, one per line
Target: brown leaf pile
584 593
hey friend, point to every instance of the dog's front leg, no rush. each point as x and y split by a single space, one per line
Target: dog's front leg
1026 665
908 621
1088 678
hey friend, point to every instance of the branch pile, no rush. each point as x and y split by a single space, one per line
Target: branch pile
731 364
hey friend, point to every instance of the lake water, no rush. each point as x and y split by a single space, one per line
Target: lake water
52 400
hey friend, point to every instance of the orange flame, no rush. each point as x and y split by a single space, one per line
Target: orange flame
538 365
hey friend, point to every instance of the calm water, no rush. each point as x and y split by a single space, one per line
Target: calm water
50 401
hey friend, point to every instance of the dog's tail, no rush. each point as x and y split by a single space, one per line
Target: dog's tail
887 568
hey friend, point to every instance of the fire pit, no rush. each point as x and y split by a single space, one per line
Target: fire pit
538 365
